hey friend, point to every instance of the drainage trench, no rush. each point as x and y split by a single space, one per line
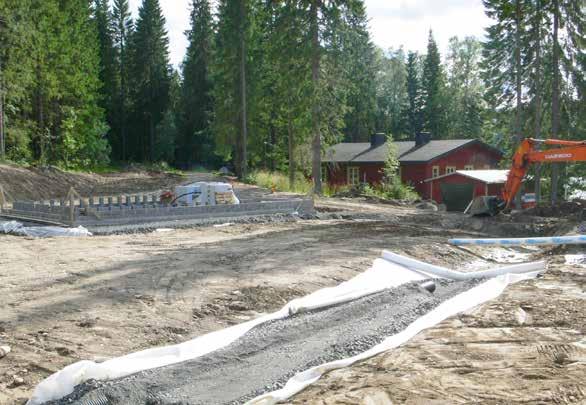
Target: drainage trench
268 355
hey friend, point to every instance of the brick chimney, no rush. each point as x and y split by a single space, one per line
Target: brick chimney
421 138
377 139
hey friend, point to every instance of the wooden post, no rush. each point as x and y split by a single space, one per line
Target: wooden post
2 198
71 206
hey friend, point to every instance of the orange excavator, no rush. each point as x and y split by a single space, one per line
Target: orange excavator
526 154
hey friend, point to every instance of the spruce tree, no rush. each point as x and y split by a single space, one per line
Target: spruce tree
109 74
230 70
150 78
568 43
359 57
433 90
122 29
196 141
504 72
414 111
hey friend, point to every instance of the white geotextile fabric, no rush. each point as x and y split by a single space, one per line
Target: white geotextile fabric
383 274
16 228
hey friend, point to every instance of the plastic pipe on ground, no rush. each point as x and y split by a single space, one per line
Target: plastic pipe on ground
458 275
551 240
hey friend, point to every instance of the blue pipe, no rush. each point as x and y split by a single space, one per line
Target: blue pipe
550 240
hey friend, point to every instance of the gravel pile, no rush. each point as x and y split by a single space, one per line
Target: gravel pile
268 355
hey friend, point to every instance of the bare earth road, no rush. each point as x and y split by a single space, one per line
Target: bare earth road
63 300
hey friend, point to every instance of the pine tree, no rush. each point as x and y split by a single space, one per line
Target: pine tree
122 30
150 78
433 90
196 141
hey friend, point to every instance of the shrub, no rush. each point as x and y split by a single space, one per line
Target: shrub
279 181
392 190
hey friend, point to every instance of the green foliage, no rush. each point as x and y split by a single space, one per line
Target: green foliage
279 181
392 189
465 88
392 160
83 144
392 95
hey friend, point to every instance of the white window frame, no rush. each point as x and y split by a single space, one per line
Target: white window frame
450 169
435 171
353 175
469 167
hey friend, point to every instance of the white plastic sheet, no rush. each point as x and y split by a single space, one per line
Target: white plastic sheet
16 228
384 273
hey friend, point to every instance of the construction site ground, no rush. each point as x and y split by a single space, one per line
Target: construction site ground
64 300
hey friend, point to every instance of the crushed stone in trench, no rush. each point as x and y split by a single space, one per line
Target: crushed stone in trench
267 356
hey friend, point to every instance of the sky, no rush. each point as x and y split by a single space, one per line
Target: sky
392 22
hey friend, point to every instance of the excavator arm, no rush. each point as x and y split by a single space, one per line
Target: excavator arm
525 155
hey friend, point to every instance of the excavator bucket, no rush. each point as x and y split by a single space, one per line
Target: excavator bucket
485 206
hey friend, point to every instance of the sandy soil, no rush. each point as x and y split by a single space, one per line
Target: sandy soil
21 183
63 300
527 347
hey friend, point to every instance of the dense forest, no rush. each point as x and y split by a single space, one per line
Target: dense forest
269 84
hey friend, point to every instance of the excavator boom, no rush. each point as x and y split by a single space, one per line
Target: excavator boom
526 154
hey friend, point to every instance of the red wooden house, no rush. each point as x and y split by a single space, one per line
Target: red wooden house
421 159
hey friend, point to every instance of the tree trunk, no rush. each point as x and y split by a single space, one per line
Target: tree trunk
518 80
273 146
291 149
40 112
123 100
315 62
555 99
2 135
244 129
151 138
2 141
538 97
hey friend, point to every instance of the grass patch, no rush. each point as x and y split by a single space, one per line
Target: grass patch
279 181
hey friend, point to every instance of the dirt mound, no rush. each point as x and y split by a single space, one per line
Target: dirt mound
20 183
576 208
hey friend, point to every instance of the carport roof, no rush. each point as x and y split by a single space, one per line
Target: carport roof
485 176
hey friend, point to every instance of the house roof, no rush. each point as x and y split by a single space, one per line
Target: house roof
406 150
485 176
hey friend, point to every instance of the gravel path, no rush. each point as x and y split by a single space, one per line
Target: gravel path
268 355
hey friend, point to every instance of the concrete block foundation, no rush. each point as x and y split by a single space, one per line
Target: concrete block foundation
142 209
